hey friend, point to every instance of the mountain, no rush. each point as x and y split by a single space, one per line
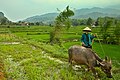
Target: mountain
97 9
1 14
93 15
83 13
3 19
42 18
114 6
96 12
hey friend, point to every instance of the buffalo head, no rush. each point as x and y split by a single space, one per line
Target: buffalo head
106 66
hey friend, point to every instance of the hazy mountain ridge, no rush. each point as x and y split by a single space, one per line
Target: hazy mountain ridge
97 9
1 14
83 13
3 19
44 18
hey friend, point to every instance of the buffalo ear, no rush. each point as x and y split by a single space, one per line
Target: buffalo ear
102 64
106 58
110 61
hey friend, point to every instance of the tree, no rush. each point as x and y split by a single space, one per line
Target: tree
61 21
117 32
31 24
3 20
96 23
89 21
37 23
104 27
75 22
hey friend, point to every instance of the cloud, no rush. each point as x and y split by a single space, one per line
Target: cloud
18 9
75 3
50 1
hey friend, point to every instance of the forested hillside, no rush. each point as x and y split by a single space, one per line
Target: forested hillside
83 13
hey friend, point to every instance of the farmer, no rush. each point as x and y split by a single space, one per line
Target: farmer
87 38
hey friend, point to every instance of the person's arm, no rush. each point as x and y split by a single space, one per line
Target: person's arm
92 37
82 40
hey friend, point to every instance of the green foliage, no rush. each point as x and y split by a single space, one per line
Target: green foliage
61 22
3 21
105 24
89 21
117 32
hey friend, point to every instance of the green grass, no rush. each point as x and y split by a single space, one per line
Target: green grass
108 50
28 60
24 60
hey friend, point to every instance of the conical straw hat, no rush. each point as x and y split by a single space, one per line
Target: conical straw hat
87 29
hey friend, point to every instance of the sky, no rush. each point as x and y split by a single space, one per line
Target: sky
16 10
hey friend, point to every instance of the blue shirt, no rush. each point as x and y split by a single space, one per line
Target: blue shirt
87 39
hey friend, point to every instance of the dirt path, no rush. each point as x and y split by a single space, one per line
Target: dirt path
11 43
48 56
54 59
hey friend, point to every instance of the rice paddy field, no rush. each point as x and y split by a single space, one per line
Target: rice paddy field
25 54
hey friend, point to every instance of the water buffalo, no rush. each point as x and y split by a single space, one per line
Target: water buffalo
86 56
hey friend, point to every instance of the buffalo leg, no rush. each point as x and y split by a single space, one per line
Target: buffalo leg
94 72
70 56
